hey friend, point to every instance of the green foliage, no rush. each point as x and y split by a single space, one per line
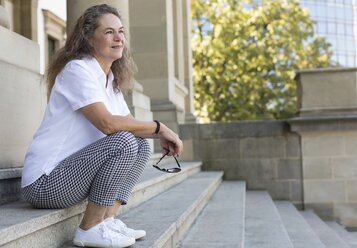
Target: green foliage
245 58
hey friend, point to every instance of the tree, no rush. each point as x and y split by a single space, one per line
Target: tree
245 57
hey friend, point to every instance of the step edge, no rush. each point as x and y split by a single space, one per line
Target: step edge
313 233
53 217
166 182
184 241
342 232
201 200
166 176
16 172
280 222
321 222
63 214
244 212
9 173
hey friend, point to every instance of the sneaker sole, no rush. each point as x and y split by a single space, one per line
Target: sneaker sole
89 244
140 236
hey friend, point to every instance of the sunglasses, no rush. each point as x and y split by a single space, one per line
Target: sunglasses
170 170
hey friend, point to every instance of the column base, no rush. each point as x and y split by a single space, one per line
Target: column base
139 106
190 118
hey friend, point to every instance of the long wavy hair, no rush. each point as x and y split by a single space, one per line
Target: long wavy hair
77 47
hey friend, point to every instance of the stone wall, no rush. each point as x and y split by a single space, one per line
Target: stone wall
327 124
22 102
265 154
330 174
327 92
22 98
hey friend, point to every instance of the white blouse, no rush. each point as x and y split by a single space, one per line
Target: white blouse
64 129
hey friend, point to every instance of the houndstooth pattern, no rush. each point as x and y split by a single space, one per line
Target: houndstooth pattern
104 171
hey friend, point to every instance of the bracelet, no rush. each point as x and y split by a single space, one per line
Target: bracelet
157 130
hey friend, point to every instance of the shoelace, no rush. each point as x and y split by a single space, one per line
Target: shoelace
122 227
119 222
110 235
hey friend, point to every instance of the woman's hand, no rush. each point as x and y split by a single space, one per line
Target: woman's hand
170 141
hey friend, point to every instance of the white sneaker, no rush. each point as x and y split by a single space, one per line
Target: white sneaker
101 236
118 226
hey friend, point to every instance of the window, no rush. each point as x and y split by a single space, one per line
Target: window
55 31
349 30
321 27
331 12
350 61
339 12
331 26
340 29
350 45
321 10
341 43
51 48
348 14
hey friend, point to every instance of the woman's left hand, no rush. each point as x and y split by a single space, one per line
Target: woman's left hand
170 141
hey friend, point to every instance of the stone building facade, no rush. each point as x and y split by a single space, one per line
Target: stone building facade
159 34
310 159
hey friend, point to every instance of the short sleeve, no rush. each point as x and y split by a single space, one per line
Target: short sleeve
78 86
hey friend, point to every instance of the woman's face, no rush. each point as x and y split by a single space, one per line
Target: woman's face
108 40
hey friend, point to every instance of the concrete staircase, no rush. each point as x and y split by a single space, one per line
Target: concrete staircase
190 209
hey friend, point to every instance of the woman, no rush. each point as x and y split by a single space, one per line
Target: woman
88 145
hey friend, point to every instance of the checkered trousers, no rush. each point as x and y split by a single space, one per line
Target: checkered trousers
103 172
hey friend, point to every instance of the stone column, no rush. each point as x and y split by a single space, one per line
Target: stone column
187 24
4 18
25 18
157 41
327 124
22 103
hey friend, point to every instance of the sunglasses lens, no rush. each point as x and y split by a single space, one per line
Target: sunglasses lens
173 170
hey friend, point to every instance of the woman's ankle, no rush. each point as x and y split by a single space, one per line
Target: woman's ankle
89 224
108 217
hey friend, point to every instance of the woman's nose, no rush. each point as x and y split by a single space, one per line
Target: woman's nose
119 36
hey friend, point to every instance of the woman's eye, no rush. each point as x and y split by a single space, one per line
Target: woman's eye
109 32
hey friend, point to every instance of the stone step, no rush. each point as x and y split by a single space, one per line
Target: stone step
10 179
10 184
326 235
153 182
299 231
263 225
15 172
23 226
347 236
221 223
167 217
9 173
